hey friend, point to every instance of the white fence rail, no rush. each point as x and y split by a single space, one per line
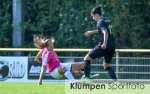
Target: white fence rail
125 67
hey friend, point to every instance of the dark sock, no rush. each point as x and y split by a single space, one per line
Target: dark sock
87 68
111 73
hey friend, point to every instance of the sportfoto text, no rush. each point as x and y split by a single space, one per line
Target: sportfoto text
110 86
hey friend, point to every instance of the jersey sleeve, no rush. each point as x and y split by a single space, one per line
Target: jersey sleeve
45 59
102 25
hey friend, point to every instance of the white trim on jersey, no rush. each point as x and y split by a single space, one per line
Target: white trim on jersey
46 58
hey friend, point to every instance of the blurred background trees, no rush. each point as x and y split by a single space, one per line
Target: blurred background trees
67 20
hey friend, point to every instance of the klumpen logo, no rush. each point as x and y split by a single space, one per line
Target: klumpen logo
4 71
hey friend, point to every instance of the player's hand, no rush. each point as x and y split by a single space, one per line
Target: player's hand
103 46
37 61
88 33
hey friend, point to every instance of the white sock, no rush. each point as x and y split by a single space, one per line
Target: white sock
69 75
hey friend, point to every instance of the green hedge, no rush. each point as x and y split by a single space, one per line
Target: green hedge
67 20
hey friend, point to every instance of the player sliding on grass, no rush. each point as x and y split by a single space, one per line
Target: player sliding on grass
51 62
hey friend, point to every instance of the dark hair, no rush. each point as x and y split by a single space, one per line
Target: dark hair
96 10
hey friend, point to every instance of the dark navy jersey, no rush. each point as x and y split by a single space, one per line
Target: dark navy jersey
105 24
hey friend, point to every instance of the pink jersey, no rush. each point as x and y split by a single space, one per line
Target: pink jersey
50 59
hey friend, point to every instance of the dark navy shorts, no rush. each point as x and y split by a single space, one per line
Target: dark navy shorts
98 52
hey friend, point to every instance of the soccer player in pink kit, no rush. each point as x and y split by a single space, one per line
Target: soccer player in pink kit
51 62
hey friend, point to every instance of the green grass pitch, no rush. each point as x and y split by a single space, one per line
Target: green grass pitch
53 88
31 88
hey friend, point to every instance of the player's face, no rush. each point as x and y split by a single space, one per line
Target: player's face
95 16
50 46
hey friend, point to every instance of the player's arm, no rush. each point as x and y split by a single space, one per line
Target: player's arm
88 33
41 74
105 37
38 56
103 27
44 64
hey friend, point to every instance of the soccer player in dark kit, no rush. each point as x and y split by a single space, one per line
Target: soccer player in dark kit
105 47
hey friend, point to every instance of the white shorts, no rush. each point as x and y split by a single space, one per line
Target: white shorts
55 73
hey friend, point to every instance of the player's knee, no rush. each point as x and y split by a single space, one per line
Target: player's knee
87 57
62 70
105 65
